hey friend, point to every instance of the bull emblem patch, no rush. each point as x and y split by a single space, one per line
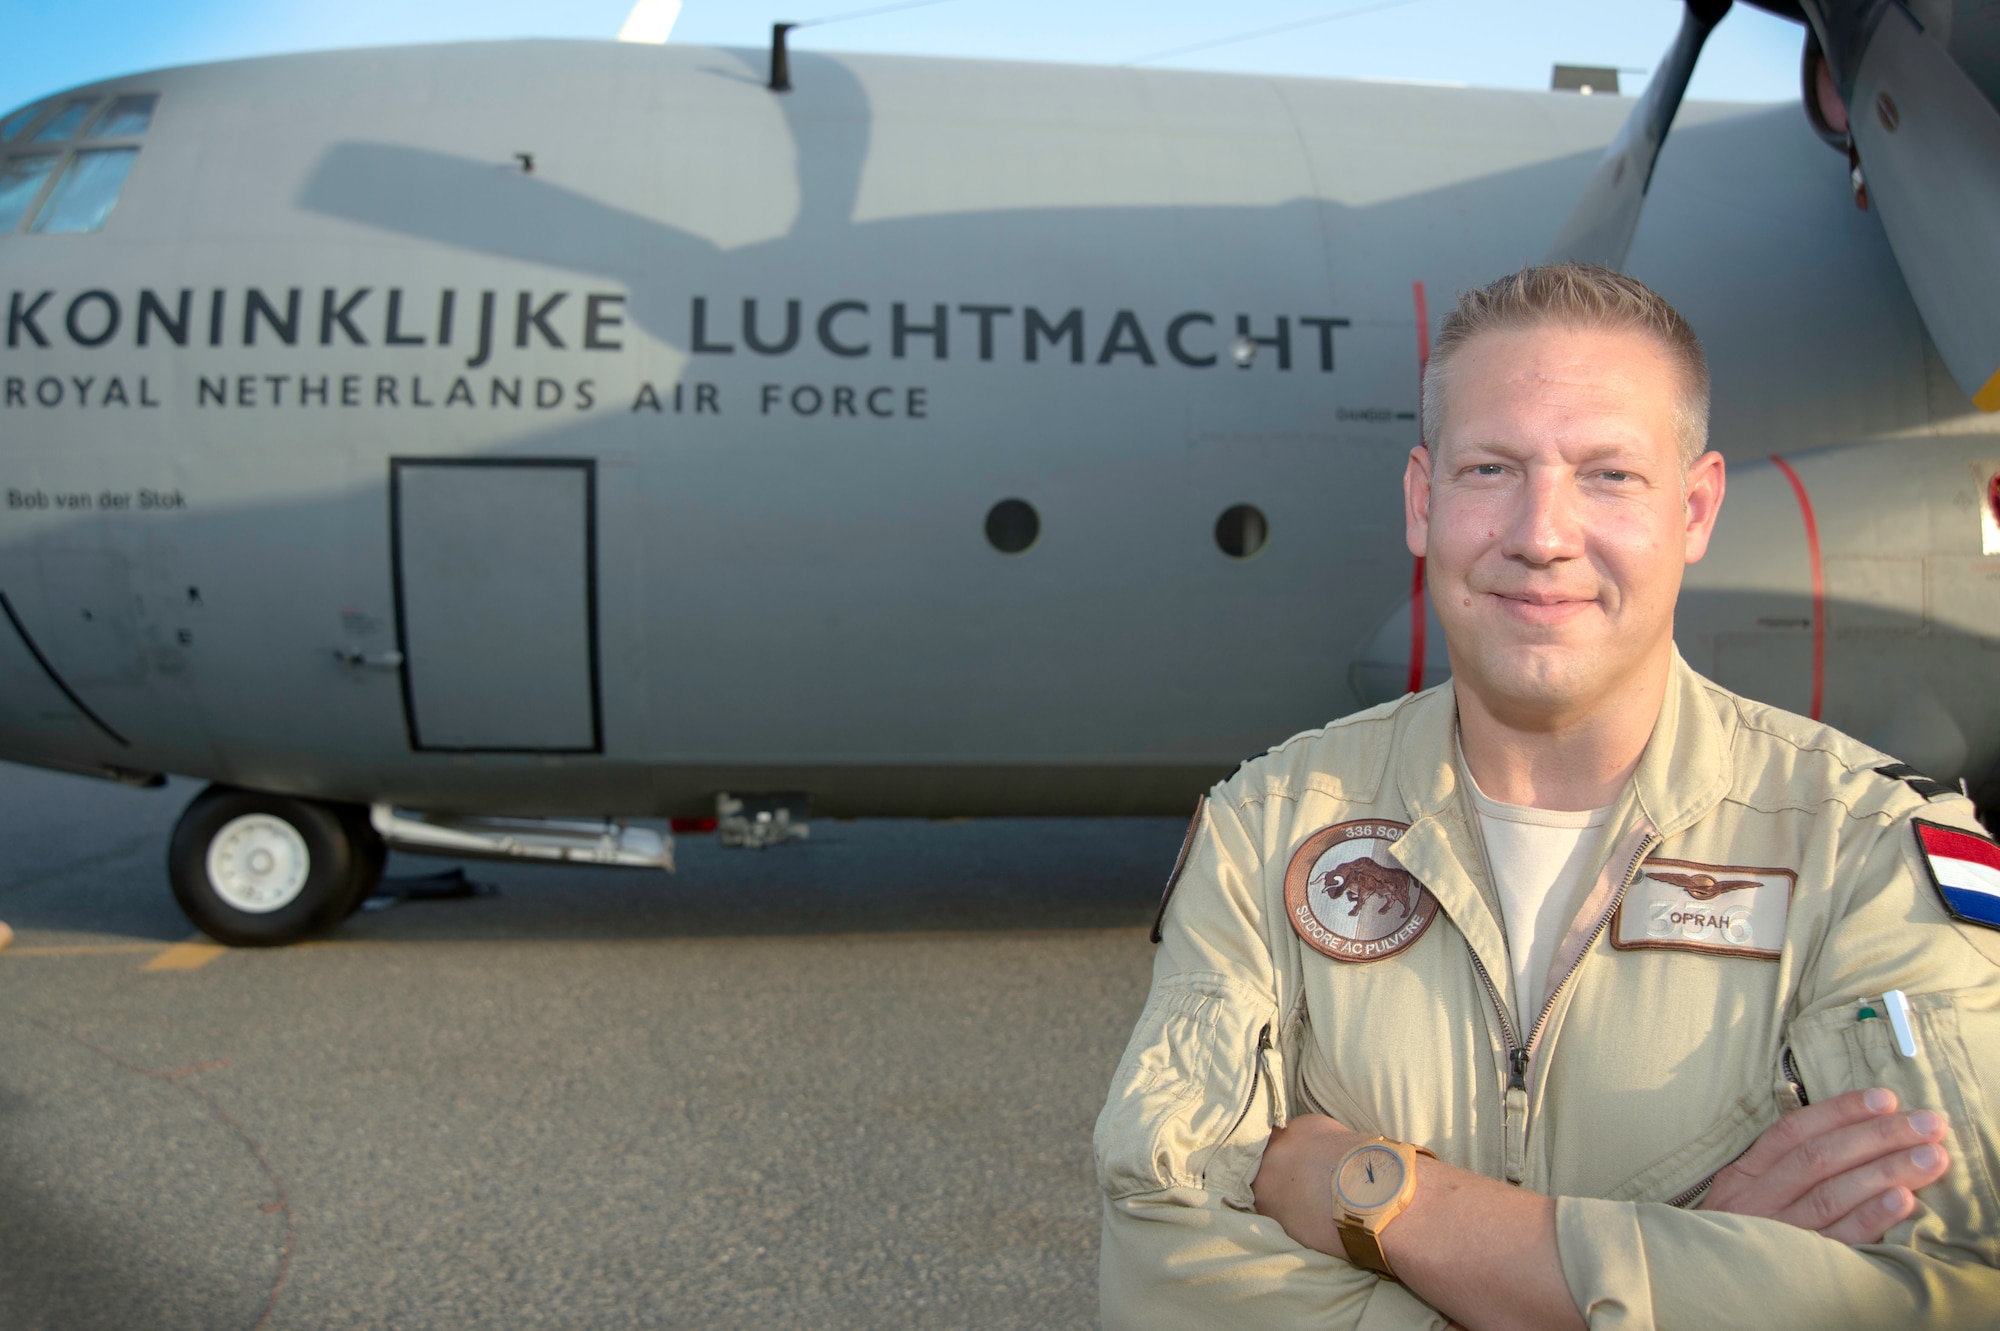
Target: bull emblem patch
1349 900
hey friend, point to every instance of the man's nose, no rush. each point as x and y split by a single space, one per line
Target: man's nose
1546 525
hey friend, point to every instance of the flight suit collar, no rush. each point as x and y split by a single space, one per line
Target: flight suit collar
1687 767
1683 774
1442 847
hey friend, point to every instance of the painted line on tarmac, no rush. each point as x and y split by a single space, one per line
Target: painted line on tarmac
80 949
190 955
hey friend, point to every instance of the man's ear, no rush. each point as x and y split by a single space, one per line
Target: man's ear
1417 501
1706 480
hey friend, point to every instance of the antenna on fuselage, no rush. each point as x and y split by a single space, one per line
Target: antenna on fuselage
781 64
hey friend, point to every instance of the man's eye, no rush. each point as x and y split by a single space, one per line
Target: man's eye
1615 477
1488 469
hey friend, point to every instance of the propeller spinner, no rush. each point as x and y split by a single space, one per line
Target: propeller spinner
1929 144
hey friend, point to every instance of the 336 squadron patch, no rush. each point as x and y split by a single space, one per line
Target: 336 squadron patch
1347 899
1965 870
1719 909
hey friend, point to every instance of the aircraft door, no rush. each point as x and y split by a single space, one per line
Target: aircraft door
496 603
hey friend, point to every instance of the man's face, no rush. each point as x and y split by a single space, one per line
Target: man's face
1554 518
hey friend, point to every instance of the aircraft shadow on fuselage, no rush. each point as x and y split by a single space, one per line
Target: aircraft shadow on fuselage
1711 217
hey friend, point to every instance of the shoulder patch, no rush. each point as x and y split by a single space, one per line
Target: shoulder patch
1180 863
1348 900
1915 780
1965 870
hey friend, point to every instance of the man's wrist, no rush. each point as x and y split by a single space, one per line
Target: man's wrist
1363 1237
1397 1238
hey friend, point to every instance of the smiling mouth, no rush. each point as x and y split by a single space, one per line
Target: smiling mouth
1541 607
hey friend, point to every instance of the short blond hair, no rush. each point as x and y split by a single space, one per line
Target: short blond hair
1576 295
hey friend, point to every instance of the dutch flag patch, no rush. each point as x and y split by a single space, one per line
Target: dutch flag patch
1965 868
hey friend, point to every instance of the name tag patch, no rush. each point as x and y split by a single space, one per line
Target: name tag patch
1724 910
1349 900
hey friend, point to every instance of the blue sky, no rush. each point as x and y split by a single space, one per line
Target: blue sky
53 44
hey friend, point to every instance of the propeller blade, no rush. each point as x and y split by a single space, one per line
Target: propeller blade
1601 226
651 22
1929 143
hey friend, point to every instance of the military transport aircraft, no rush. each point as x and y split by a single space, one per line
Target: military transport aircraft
451 447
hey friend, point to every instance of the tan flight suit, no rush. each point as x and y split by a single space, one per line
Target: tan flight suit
1655 1064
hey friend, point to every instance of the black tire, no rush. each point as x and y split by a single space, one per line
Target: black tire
309 889
370 855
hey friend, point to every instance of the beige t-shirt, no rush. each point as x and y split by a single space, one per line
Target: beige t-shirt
1541 862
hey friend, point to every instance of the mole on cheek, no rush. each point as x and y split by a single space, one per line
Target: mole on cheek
1468 600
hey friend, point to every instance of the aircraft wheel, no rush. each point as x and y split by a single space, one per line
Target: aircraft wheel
370 855
255 870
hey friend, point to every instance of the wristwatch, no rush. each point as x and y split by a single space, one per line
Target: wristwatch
1373 1184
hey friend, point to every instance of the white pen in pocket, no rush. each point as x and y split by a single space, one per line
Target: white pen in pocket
1897 1004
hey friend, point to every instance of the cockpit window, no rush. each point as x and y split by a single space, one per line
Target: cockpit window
67 121
84 196
128 117
17 122
65 190
20 181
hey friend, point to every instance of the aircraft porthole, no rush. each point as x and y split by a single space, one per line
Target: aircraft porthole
1241 531
1012 526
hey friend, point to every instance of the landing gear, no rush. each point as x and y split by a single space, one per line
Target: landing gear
370 854
256 870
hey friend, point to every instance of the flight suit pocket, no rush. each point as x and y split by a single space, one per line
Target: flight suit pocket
1191 1104
1681 1177
1836 1052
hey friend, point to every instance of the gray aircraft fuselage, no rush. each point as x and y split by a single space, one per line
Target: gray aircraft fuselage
551 427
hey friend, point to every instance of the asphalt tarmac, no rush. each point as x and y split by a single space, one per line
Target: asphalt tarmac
845 1083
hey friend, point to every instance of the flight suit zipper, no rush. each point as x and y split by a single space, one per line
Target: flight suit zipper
1520 1054
1793 1079
1261 1075
1517 1078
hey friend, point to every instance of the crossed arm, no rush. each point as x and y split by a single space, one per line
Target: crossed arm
1483 1252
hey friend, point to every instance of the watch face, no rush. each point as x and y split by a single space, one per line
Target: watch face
1369 1178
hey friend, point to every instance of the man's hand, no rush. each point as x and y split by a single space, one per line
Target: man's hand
1847 1168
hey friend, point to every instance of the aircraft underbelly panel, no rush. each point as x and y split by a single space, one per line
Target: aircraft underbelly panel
496 604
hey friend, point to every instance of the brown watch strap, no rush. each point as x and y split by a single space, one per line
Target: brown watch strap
1365 1251
1364 1248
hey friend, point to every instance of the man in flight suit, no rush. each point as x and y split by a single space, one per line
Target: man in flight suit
1576 990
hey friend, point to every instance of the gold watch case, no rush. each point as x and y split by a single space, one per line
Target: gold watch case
1373 1184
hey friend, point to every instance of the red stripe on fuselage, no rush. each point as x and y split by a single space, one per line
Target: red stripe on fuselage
1818 585
1419 621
